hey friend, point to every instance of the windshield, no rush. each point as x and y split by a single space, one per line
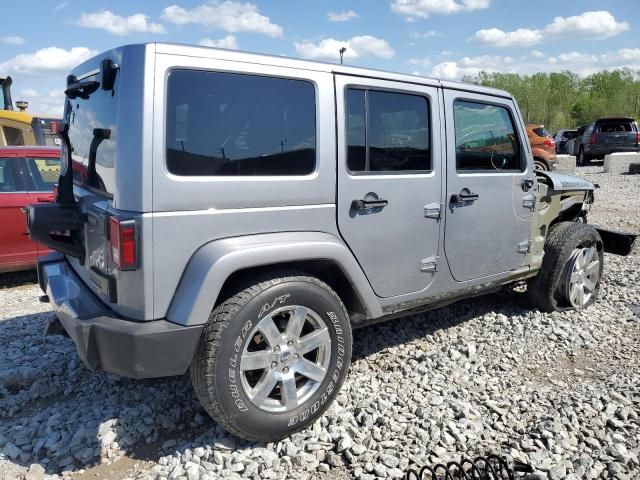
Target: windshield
84 117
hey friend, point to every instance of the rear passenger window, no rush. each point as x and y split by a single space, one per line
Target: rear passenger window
387 132
486 139
236 124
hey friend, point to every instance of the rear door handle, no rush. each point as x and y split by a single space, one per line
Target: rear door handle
465 197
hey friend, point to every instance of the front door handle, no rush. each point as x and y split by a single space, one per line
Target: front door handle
465 197
371 201
44 199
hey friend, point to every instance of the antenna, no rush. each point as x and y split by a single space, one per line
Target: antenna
342 50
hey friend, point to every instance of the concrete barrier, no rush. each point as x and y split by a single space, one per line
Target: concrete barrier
617 163
566 164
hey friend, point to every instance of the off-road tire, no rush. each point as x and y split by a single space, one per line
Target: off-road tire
215 367
545 289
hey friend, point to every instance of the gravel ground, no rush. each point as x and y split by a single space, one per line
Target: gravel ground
559 391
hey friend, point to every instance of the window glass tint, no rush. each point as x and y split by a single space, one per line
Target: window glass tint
485 137
234 124
7 178
13 136
85 115
44 172
392 136
613 127
356 139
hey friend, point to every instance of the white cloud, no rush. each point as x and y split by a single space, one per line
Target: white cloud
119 25
60 6
578 62
593 25
427 34
47 60
494 37
422 62
13 40
418 9
537 54
343 16
49 103
230 16
600 24
229 42
360 46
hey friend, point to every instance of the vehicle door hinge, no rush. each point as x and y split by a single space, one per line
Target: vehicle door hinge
524 247
429 264
432 210
529 201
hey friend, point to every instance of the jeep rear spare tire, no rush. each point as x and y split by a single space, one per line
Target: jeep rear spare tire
272 358
571 268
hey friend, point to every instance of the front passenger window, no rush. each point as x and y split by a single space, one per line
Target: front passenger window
486 138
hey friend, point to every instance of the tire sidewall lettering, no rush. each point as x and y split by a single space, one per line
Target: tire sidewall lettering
238 405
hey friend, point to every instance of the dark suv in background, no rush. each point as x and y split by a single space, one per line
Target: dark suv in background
564 142
605 136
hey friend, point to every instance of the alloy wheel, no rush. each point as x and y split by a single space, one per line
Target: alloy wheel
582 275
286 359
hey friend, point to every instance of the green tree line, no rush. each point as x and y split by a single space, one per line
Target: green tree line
565 100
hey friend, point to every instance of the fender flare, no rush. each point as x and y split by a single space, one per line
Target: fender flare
214 262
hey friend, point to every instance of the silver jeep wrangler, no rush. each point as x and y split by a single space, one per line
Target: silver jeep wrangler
237 215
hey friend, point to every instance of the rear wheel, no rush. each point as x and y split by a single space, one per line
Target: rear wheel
571 268
273 357
582 159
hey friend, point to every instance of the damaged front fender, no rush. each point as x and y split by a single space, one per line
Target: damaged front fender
618 243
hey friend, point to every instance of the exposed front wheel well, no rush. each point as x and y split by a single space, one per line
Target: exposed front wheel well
326 270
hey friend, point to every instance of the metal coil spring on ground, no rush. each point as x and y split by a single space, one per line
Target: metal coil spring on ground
491 467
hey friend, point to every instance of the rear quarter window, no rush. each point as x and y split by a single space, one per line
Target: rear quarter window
229 124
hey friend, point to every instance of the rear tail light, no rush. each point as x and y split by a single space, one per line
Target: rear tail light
550 143
592 138
56 127
124 248
638 138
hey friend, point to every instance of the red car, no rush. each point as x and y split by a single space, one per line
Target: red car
27 176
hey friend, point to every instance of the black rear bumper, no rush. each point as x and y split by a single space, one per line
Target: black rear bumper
104 341
602 151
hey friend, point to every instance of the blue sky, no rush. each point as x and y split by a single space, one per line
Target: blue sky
43 40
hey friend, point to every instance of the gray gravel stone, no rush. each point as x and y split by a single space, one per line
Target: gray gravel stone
489 374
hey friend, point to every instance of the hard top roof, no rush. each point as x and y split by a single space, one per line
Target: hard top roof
276 60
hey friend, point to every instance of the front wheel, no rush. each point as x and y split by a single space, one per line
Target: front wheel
571 268
273 357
